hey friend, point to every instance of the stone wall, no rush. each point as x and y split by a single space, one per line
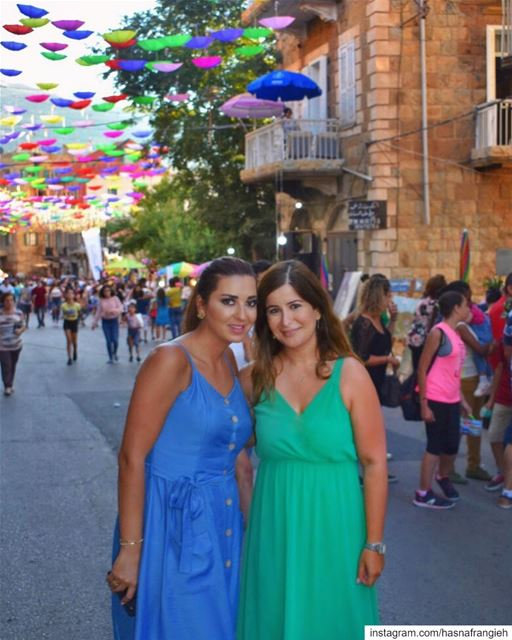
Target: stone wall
389 106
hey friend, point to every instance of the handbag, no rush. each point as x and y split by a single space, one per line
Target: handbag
390 391
410 399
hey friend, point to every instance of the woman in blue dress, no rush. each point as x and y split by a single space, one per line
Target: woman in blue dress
178 540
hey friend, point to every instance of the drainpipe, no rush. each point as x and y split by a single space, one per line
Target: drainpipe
424 118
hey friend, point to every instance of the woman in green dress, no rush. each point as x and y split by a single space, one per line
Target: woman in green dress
314 545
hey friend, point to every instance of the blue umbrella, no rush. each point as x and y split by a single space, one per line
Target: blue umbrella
284 85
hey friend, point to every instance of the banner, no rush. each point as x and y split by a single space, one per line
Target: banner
92 244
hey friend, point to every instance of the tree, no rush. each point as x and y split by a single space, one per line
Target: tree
167 229
205 149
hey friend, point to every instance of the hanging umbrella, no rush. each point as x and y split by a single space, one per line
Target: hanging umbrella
247 106
464 256
178 270
123 264
284 85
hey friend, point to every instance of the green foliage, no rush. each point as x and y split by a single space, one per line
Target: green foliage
494 283
167 230
204 147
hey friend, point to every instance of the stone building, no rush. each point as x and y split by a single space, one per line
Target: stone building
379 148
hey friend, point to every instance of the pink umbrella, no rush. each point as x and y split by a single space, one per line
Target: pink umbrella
247 106
199 269
177 97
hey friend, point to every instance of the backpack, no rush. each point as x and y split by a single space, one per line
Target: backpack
409 396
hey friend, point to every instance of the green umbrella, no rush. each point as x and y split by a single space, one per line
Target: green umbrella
123 264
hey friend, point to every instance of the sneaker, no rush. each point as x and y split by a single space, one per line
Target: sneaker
110 361
431 501
456 478
70 361
138 358
495 483
483 388
478 474
505 502
8 391
447 488
392 479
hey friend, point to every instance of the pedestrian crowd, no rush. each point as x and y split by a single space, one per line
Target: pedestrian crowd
259 358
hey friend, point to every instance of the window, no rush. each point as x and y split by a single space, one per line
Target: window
499 78
347 78
30 239
316 108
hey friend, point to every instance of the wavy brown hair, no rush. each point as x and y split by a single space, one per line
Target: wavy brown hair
332 341
207 284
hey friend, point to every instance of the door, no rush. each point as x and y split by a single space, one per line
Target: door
341 256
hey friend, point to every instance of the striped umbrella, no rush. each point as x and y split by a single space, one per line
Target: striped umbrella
464 256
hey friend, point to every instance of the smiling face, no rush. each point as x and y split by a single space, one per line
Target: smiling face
231 308
290 318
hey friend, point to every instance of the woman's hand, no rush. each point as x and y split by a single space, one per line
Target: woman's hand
394 362
427 415
371 565
125 572
465 409
393 311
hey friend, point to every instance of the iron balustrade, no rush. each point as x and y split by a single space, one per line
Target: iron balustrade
293 139
494 124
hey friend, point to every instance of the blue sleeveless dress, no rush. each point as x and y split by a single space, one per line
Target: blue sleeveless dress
189 572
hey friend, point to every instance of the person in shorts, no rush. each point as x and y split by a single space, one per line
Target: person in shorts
439 381
71 314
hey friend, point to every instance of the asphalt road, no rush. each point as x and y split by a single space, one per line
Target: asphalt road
59 435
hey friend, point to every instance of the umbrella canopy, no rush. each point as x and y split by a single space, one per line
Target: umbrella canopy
284 85
200 268
178 270
247 106
124 264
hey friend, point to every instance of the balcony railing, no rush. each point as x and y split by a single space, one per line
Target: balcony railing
494 124
493 136
292 140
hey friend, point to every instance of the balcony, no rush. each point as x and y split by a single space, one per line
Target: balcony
302 10
493 145
293 148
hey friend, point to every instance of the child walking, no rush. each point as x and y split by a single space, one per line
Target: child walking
135 323
71 314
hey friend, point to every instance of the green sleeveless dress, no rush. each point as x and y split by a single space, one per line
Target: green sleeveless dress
306 527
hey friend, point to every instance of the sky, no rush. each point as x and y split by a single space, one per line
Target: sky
99 16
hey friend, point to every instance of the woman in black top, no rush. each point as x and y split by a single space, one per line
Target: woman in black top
371 334
372 331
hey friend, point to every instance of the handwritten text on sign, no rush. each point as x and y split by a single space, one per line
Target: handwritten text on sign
367 215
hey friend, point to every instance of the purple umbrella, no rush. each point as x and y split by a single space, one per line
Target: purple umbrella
247 106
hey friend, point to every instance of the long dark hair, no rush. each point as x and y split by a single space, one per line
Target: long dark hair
331 338
207 283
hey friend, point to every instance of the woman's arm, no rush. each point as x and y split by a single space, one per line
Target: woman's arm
243 469
162 377
494 385
432 344
360 398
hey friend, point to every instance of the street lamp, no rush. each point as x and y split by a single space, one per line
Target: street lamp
231 251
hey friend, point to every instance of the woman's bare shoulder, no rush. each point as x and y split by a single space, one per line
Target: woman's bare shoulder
165 361
245 377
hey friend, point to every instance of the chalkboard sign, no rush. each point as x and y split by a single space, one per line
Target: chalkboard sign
367 215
